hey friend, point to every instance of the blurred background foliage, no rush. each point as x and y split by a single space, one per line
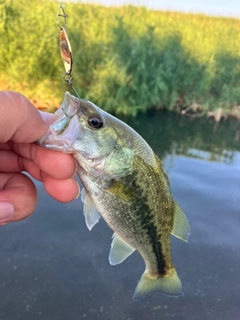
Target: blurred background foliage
126 59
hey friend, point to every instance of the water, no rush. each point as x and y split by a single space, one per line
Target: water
52 267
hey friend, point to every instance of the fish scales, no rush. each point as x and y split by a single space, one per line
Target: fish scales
141 217
125 183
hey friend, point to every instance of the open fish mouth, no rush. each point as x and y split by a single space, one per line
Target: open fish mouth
58 143
62 134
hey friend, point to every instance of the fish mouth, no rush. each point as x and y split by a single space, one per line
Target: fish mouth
62 135
52 141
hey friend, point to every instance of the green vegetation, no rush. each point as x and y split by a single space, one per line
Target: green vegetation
125 60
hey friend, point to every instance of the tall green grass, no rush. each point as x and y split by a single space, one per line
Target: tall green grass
125 60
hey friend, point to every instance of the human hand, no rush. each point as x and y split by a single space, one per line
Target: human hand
20 125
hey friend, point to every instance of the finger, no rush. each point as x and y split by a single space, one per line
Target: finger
9 161
54 163
34 159
18 191
12 162
62 190
53 186
20 120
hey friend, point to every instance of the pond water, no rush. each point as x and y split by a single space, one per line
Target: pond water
52 267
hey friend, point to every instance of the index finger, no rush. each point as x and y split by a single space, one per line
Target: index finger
54 163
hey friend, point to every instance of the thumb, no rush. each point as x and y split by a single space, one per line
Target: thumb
20 121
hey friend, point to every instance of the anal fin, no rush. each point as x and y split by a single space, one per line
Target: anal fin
120 250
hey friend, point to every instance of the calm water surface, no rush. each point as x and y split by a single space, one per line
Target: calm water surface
52 267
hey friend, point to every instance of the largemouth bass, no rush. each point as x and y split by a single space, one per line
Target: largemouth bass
124 182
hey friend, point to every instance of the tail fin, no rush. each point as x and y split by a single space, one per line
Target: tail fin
169 285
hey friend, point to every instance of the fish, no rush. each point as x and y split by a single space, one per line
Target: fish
124 182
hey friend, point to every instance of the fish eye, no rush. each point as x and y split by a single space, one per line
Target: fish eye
95 122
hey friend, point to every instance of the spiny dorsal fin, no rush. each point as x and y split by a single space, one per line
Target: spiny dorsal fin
120 250
90 212
181 227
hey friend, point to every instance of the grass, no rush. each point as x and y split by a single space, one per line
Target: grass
126 60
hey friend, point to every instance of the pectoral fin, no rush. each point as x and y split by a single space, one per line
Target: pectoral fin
120 250
90 212
125 193
83 195
181 227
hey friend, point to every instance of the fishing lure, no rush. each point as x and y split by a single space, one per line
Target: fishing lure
66 54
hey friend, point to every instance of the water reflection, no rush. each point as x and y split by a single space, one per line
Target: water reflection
200 138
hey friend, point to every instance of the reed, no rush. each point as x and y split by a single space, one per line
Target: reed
126 60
